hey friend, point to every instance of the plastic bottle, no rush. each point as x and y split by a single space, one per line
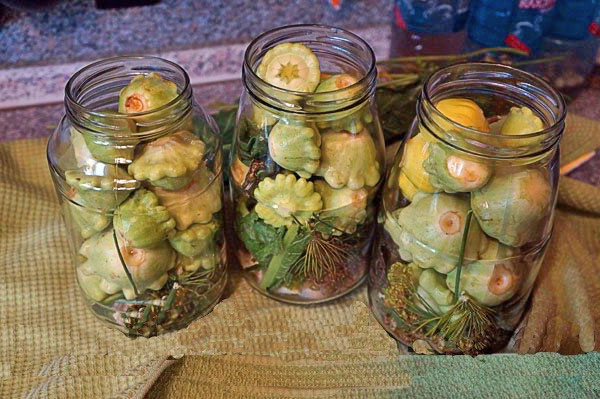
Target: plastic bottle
594 27
428 26
531 20
573 36
573 17
489 21
519 24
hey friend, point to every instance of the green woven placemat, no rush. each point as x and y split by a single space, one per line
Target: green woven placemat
250 346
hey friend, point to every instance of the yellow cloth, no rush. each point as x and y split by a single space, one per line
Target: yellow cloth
250 346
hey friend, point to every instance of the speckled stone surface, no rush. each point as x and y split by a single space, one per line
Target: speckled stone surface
40 121
76 30
44 84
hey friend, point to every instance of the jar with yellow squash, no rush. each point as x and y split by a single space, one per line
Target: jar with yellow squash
467 210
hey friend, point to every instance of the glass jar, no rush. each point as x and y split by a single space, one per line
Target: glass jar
306 165
137 168
467 209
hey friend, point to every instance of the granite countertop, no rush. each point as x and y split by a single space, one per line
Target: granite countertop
40 121
76 30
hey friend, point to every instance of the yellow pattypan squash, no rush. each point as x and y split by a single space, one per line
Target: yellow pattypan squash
463 111
411 168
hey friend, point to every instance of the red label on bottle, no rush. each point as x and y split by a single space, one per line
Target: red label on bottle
537 4
399 20
514 42
594 29
336 4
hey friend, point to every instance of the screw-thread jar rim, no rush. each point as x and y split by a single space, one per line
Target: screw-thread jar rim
521 87
107 77
95 88
317 37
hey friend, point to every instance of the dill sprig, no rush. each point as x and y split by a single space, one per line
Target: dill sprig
322 256
467 324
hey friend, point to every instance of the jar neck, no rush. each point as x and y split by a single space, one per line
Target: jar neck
92 98
500 87
338 50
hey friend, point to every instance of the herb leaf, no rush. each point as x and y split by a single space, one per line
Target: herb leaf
255 148
252 142
294 246
262 240
225 119
253 151
396 109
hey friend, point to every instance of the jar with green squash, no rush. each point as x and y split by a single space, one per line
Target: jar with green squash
137 168
467 209
306 163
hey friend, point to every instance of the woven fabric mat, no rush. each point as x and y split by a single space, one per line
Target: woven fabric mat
251 346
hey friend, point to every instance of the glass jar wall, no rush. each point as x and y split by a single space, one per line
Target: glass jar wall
467 209
306 163
137 169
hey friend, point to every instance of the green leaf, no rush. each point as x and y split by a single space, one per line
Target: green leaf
294 246
252 142
262 240
255 148
225 119
252 150
396 109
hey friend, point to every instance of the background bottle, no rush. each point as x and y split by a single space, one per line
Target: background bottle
531 20
428 26
573 18
594 27
573 36
489 21
519 24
